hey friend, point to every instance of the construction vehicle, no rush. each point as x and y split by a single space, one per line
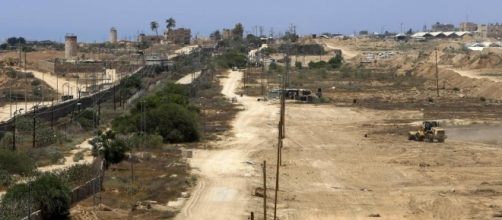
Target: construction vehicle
429 132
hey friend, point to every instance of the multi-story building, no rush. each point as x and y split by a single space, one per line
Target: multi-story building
227 34
178 36
490 30
438 27
468 26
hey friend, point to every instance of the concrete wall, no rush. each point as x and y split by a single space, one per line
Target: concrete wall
63 68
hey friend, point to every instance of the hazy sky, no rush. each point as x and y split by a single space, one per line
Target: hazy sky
92 19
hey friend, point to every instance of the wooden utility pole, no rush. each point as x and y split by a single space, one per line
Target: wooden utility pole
265 190
279 146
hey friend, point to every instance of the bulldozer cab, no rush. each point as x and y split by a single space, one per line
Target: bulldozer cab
428 125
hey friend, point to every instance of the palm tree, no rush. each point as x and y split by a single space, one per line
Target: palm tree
171 23
155 27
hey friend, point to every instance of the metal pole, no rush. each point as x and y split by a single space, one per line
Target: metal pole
265 190
14 133
26 84
34 125
52 114
10 99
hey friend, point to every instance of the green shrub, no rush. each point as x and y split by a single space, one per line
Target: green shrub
45 136
15 162
298 65
335 62
317 65
36 82
77 175
86 118
5 178
231 59
46 155
47 193
167 113
78 157
108 146
6 141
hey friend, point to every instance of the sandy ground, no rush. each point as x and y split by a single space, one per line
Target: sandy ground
475 74
181 51
188 78
224 174
332 171
347 53
83 147
6 113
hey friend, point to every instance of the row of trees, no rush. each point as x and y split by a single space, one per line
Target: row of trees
170 24
14 43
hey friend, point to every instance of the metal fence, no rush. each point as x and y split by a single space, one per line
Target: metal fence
64 108
81 192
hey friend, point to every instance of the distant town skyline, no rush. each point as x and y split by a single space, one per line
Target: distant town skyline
91 20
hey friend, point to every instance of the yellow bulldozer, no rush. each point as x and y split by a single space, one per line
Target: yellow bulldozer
430 131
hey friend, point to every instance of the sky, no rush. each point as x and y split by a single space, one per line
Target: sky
91 20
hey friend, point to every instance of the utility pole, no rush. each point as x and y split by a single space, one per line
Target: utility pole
52 114
114 101
279 146
14 133
26 84
437 73
265 190
34 125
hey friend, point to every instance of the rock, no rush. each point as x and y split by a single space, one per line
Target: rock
259 192
102 207
374 215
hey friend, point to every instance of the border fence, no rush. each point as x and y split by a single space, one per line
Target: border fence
81 192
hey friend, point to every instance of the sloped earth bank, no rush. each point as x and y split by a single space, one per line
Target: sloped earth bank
225 173
468 86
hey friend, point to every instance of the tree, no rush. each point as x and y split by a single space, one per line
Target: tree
109 147
47 193
16 163
336 61
216 35
13 41
238 31
170 23
155 27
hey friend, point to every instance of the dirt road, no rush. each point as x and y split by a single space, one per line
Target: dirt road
188 78
346 52
225 173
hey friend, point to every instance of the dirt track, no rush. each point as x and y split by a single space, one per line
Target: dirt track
223 190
